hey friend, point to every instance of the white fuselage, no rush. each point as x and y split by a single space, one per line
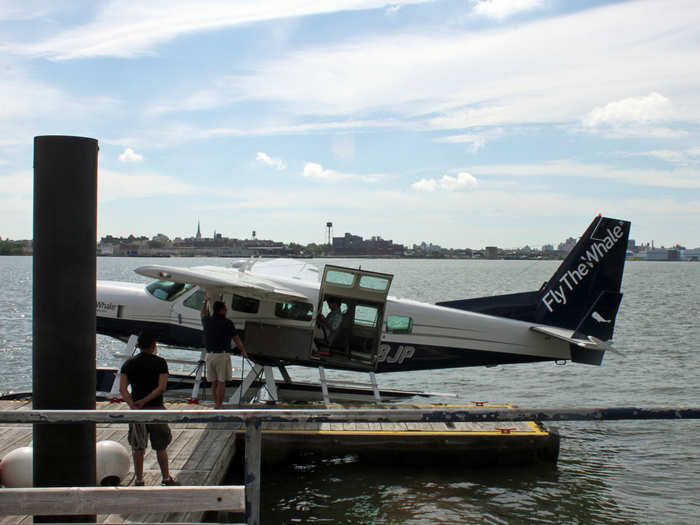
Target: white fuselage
439 337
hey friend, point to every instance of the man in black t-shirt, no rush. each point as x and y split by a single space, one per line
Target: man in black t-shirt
218 333
148 376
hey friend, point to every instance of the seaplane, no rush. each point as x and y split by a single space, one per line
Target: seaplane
278 306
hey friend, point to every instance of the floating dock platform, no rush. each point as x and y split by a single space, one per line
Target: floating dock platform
201 453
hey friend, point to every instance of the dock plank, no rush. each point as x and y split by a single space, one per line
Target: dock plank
179 462
12 438
205 440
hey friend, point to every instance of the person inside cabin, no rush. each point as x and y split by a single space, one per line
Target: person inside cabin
330 323
218 334
147 374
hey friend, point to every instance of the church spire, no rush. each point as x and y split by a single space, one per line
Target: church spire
199 231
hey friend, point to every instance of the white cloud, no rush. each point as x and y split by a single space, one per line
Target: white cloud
264 158
676 156
427 185
463 181
129 155
131 28
680 178
315 171
25 10
177 134
501 9
667 155
631 113
641 116
542 71
476 142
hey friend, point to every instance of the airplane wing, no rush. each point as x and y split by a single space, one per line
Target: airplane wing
567 335
217 277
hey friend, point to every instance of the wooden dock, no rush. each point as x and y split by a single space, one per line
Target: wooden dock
201 453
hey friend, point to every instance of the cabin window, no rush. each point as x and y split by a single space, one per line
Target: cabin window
366 315
296 311
325 309
195 300
370 282
399 324
167 290
247 305
340 278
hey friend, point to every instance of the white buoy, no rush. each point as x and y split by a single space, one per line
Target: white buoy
17 468
113 462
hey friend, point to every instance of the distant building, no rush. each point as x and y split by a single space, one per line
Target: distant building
428 248
662 254
567 245
105 248
691 255
491 252
351 244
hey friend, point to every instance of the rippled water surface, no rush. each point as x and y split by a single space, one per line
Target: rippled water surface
608 472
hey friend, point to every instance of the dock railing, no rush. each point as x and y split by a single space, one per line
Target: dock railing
102 500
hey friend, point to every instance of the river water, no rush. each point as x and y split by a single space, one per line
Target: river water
608 472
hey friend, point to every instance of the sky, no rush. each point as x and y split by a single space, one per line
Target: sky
462 123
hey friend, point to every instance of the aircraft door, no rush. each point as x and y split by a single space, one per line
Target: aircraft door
184 323
350 316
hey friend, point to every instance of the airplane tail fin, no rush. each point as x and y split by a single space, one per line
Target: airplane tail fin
583 295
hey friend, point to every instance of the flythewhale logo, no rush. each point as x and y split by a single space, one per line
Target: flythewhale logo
101 305
602 243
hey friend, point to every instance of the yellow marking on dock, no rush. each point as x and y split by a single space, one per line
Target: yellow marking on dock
404 433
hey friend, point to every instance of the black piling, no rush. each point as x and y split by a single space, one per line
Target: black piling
65 233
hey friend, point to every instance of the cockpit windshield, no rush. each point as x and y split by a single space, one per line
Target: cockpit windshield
167 290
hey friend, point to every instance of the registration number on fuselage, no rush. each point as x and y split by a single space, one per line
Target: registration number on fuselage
394 354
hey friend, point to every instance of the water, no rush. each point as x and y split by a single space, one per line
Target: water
608 472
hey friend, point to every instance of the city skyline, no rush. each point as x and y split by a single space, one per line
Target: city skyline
198 235
570 240
462 123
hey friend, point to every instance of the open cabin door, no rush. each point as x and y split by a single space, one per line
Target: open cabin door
348 335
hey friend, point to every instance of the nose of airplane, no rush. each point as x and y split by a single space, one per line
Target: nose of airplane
113 298
124 309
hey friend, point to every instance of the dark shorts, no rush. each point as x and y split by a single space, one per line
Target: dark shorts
159 432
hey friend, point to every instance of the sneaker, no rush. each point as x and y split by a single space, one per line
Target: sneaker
139 483
170 482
